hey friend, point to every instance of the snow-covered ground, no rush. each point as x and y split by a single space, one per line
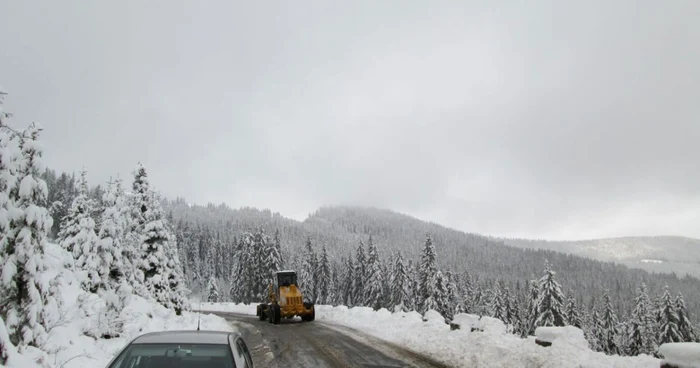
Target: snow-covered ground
69 347
461 348
681 354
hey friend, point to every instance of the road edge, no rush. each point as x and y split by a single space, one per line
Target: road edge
389 348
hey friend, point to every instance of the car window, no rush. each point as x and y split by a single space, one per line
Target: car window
175 355
243 350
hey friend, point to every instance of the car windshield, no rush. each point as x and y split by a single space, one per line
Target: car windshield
175 356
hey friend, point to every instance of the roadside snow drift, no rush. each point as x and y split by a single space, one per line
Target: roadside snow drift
69 344
492 347
681 354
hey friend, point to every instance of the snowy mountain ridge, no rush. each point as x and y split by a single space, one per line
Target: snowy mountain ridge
652 253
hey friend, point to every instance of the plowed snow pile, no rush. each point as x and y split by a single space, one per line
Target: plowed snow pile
463 348
492 348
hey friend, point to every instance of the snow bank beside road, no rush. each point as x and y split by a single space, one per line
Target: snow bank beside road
460 348
463 348
681 354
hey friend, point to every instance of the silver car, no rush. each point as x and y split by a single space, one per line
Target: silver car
185 349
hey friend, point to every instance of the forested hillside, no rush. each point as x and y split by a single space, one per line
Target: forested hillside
340 229
379 258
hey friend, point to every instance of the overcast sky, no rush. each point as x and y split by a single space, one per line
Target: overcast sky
542 119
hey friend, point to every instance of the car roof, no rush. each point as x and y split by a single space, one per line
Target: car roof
184 337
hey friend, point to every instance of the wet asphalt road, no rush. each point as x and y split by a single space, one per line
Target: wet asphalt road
294 343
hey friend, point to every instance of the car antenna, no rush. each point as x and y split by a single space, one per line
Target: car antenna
199 314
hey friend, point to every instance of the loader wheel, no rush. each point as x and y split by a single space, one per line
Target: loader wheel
270 314
261 312
276 313
309 317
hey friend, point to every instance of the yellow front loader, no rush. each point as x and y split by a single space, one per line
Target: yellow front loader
285 300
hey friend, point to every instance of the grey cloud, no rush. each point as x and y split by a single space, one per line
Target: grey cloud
546 119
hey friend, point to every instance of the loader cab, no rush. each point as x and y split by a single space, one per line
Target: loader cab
285 278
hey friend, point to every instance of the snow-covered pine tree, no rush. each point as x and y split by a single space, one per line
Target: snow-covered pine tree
464 285
510 308
622 340
595 336
668 324
8 180
308 273
400 296
496 303
452 295
70 223
177 293
348 282
610 331
114 267
685 328
262 271
515 315
641 331
28 301
275 261
427 278
158 261
333 283
413 274
505 302
9 157
441 297
213 287
78 237
323 276
7 350
373 278
210 260
386 267
358 287
242 290
572 315
550 303
481 299
79 210
532 309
